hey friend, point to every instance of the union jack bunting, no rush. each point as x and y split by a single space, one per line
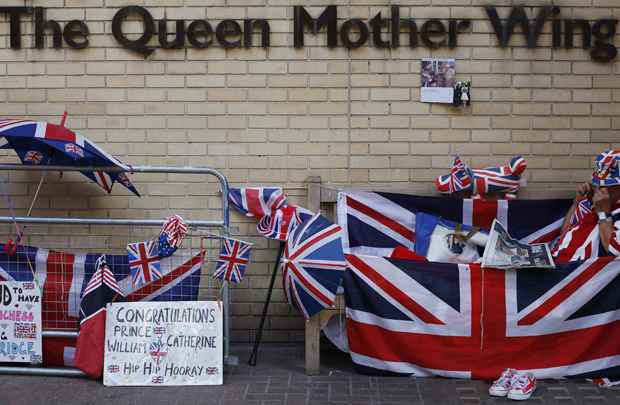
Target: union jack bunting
312 265
257 201
468 322
63 278
144 263
505 179
281 222
606 171
233 260
376 223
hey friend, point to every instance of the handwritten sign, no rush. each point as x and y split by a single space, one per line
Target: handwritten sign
20 322
164 343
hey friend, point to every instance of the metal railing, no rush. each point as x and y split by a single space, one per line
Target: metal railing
223 224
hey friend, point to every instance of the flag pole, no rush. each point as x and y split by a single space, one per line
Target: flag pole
259 333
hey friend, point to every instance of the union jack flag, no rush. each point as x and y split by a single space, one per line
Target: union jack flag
257 201
312 265
281 222
473 322
75 149
234 258
144 262
33 156
376 223
158 350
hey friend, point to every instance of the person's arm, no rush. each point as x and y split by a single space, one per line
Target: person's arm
583 191
609 235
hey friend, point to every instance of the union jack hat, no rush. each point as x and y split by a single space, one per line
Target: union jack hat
606 172
503 179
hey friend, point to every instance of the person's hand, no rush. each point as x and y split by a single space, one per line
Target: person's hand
584 190
601 200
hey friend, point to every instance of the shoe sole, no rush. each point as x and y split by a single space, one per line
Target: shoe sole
519 397
498 393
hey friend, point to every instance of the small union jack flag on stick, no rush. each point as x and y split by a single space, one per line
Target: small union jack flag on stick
234 258
143 262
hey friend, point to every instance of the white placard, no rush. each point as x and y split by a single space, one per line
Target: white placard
437 80
164 343
20 322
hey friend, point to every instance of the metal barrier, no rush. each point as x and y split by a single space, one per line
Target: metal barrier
61 327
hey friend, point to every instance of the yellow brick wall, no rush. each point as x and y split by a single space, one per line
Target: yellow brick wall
280 115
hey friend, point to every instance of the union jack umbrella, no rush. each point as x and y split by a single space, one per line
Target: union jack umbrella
281 222
233 260
257 201
144 262
313 264
41 143
504 179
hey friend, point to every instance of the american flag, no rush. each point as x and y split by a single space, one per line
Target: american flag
473 323
281 222
144 262
63 278
312 265
233 260
257 201
175 228
376 223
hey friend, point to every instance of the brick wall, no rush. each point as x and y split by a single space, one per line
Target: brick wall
279 115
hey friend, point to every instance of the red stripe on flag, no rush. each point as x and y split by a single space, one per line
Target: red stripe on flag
58 133
485 211
253 201
56 292
557 298
388 222
393 291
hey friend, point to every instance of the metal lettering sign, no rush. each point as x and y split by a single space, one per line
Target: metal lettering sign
20 322
164 343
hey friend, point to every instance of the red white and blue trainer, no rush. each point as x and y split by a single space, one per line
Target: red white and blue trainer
502 385
523 386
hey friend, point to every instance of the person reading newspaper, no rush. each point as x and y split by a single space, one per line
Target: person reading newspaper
591 227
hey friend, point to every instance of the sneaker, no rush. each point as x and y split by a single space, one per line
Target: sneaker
502 385
523 386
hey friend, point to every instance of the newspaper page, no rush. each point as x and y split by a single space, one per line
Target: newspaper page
504 252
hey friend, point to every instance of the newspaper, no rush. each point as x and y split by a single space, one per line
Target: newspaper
504 252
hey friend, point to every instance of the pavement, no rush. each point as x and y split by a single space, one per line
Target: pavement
279 379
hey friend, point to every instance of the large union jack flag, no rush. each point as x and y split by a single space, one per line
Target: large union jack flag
376 223
233 260
462 321
312 265
144 262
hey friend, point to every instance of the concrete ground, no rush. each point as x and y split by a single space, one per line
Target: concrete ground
279 379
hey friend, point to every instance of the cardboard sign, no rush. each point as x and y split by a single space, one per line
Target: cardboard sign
164 343
20 322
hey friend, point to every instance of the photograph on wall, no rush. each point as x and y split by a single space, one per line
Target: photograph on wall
438 79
